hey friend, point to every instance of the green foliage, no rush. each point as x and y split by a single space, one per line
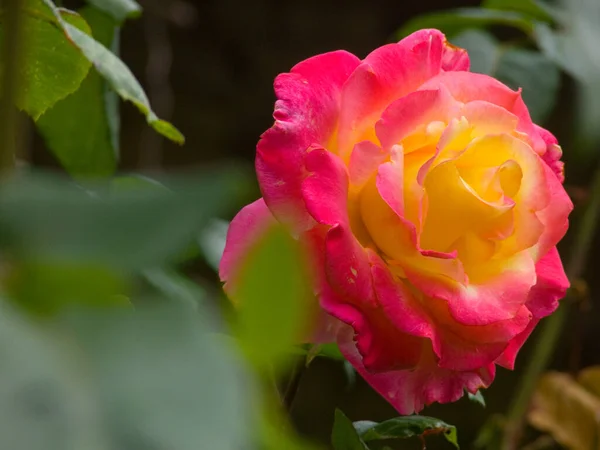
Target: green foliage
48 58
119 10
477 397
45 288
90 150
405 427
272 294
533 8
453 21
344 436
535 73
573 46
49 217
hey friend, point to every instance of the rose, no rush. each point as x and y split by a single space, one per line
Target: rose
430 204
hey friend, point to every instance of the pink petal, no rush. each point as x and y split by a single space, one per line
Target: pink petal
364 161
555 217
552 284
468 86
410 390
306 113
403 116
388 73
552 153
508 358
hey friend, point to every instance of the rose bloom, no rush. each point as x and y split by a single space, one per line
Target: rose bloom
430 206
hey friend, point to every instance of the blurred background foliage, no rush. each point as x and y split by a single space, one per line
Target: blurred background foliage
115 332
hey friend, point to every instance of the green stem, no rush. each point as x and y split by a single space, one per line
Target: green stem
11 58
552 328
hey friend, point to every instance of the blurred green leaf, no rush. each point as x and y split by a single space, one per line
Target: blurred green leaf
116 73
165 380
276 433
176 287
212 241
482 48
46 288
88 150
52 67
329 350
535 73
118 9
454 21
44 402
344 436
574 47
532 8
405 427
477 397
44 216
272 294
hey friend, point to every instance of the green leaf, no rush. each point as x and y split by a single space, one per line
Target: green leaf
165 380
212 242
176 287
482 48
329 350
90 150
118 9
344 436
46 216
532 8
43 289
477 397
453 21
116 73
516 67
405 427
272 291
536 74
44 402
52 68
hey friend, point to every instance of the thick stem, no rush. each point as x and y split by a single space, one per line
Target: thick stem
552 327
9 88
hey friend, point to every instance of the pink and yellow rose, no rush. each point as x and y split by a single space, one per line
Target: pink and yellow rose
431 207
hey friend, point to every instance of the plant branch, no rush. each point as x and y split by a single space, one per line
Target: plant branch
552 328
9 89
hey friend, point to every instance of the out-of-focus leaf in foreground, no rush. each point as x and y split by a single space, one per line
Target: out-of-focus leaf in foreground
166 380
272 294
50 217
44 403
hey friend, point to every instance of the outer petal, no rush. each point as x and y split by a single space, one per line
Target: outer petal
552 284
247 227
410 390
552 153
555 217
325 193
387 74
306 113
508 358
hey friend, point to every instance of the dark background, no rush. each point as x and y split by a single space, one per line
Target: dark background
208 67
